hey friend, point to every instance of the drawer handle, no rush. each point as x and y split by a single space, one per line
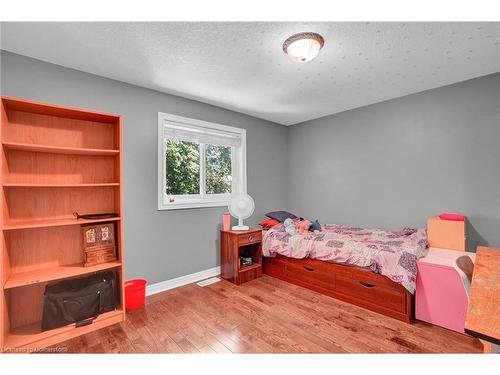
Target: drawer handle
250 238
309 269
366 285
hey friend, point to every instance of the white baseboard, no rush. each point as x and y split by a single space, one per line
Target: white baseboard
180 281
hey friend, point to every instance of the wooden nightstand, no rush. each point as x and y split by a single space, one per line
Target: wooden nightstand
241 243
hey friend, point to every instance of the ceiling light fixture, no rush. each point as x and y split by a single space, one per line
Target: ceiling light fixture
303 47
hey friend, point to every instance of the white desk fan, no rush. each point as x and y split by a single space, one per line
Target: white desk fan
241 206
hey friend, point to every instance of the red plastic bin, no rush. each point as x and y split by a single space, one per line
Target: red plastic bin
135 293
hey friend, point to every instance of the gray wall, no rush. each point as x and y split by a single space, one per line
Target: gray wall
159 245
393 164
387 165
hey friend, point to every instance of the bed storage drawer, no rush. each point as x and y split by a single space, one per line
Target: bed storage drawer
371 291
309 273
367 276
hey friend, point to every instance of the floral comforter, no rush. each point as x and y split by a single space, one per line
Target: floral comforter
392 254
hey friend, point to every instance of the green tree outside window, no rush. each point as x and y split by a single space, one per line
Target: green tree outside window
218 169
183 168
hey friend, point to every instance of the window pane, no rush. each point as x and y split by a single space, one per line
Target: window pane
183 167
218 169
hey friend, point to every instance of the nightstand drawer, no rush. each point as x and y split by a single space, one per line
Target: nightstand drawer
246 239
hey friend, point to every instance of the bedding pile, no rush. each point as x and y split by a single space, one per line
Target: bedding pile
392 254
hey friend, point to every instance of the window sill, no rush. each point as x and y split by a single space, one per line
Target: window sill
189 205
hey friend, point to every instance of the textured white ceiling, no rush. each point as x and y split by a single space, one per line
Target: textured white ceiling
241 66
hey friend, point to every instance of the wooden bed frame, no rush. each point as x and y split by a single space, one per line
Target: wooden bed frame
361 286
355 285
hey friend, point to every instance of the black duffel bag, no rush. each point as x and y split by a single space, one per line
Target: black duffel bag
78 300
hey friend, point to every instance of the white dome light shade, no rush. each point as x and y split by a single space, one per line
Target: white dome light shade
303 47
241 206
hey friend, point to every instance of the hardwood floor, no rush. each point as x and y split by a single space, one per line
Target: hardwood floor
265 315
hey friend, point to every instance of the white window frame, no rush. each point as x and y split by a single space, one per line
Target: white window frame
238 166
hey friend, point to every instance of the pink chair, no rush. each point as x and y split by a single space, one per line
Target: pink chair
443 286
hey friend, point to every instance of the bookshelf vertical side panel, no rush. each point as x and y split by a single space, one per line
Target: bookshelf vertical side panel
4 323
119 204
4 265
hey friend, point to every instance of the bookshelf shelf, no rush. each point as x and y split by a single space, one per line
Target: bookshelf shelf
58 150
54 273
29 185
27 224
32 338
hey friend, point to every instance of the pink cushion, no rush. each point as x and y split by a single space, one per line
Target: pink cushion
450 216
268 223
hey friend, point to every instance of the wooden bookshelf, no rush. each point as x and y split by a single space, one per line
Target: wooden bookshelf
55 161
